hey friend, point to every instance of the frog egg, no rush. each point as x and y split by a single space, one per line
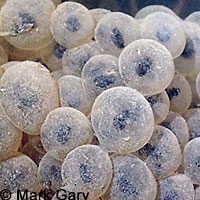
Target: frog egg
3 56
142 13
100 73
162 153
49 173
10 137
192 160
65 129
98 13
27 27
16 54
34 150
132 179
194 17
87 169
166 29
197 193
52 56
195 97
188 63
179 93
73 95
57 74
147 66
177 124
19 173
74 59
192 117
160 106
112 35
28 93
72 24
122 119
177 187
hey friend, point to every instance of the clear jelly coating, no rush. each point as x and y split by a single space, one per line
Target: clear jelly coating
192 160
122 119
10 137
162 153
52 55
72 24
19 173
49 173
194 17
147 66
160 106
34 149
100 73
166 29
192 117
28 93
74 59
57 74
188 63
198 84
132 179
197 193
177 187
178 125
26 23
142 13
73 95
64 129
88 169
98 13
179 93
115 31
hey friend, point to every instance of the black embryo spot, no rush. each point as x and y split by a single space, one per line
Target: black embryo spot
117 38
173 92
163 35
63 134
143 66
103 81
189 49
85 173
59 50
73 24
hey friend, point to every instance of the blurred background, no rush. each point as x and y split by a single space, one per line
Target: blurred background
182 7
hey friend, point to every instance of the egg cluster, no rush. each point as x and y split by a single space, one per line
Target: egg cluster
99 102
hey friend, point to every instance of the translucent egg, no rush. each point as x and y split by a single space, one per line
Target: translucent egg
194 17
189 61
28 93
142 13
147 66
72 24
19 173
160 106
112 35
101 72
177 124
122 119
179 93
65 129
162 153
10 137
87 169
166 29
98 13
26 23
177 187
52 56
74 59
132 180
192 117
49 173
192 160
73 95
